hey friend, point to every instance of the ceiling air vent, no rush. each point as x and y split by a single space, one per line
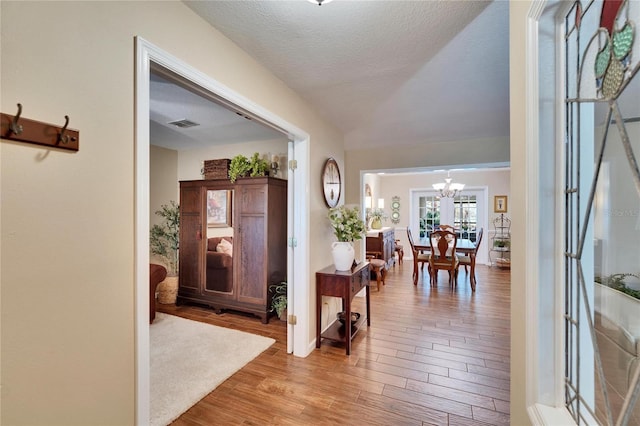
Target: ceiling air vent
184 123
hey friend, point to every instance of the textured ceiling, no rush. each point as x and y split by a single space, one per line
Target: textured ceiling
384 72
169 101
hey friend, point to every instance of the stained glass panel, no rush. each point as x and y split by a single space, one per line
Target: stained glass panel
602 212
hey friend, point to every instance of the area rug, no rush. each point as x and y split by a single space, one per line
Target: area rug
189 359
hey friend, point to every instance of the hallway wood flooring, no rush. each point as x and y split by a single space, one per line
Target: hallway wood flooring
432 356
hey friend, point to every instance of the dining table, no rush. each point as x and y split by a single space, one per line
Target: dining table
463 245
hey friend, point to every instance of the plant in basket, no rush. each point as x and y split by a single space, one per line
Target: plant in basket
164 239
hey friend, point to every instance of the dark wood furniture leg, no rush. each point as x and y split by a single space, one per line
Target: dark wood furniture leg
473 271
347 325
318 314
368 305
379 267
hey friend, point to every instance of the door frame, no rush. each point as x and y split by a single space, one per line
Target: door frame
297 209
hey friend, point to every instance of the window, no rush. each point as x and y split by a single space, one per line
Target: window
466 216
429 214
461 212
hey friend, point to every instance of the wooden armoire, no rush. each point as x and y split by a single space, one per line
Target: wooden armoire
259 222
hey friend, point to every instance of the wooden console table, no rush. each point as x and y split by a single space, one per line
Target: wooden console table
343 284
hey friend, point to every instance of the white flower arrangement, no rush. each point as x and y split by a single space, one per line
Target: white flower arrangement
346 223
378 214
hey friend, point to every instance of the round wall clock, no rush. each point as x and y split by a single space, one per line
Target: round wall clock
331 182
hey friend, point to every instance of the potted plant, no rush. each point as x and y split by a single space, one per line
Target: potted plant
377 216
617 282
164 240
279 299
238 167
241 166
502 244
258 165
347 227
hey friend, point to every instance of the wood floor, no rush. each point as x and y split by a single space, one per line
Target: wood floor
431 356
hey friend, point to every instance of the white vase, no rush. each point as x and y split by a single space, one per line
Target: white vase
343 255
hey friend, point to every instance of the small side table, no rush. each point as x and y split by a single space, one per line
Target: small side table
343 284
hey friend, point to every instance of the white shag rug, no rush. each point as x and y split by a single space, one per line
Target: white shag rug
189 359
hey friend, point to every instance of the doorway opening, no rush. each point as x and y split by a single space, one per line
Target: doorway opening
148 58
415 204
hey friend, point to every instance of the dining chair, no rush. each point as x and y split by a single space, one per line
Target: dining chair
418 258
443 256
373 247
445 227
466 259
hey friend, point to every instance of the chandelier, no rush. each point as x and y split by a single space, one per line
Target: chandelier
320 2
448 189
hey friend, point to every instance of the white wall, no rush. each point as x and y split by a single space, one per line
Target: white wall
163 180
518 12
497 181
163 185
441 155
68 307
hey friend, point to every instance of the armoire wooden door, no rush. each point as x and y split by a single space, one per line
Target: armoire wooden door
191 252
251 243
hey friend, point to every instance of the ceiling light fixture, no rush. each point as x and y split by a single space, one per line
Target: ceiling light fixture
448 189
320 2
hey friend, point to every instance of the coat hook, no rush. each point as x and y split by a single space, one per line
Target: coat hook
14 127
62 137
